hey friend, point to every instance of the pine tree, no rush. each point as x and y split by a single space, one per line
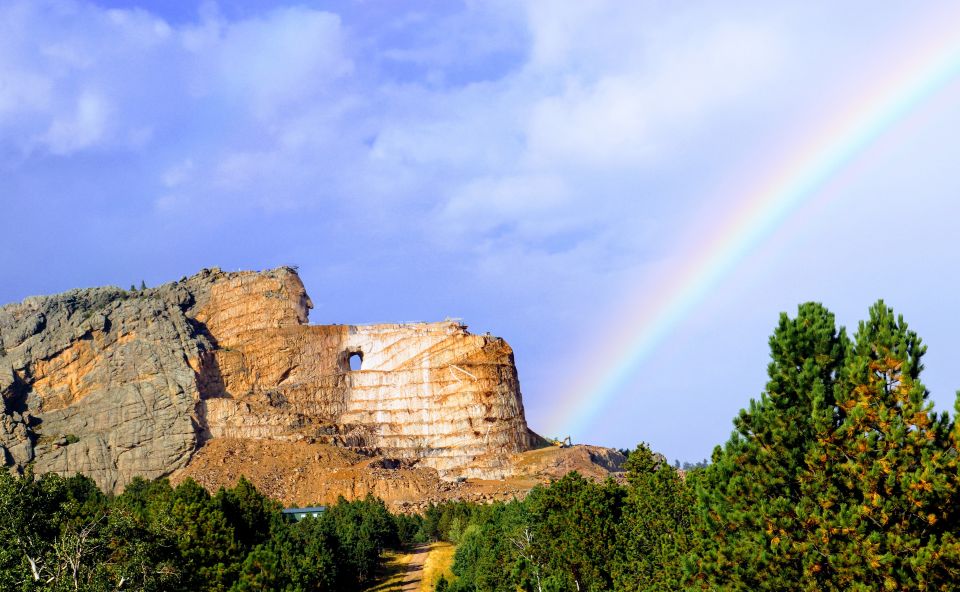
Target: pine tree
574 527
654 533
250 512
883 473
750 496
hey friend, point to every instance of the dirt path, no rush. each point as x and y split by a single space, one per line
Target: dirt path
404 571
414 573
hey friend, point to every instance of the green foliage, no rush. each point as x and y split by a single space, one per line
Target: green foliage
62 534
573 524
364 528
446 521
209 552
65 534
250 512
884 472
691 466
752 491
841 477
654 535
410 529
577 534
301 556
495 551
339 550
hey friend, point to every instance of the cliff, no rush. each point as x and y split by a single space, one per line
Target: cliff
115 384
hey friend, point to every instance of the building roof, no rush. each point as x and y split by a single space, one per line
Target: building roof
305 510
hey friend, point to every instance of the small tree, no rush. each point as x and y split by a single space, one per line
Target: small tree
655 530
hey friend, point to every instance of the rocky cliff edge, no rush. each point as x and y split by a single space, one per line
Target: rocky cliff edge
115 384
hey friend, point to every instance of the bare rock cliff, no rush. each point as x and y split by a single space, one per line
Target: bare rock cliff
115 384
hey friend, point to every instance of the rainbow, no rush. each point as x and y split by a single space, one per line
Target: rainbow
761 211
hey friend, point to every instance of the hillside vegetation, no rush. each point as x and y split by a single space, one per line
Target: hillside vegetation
840 477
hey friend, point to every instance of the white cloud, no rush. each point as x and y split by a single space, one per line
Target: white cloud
637 90
84 66
283 88
271 62
179 173
607 125
21 92
77 77
291 109
484 205
592 113
83 127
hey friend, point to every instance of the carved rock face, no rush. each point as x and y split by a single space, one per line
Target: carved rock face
115 384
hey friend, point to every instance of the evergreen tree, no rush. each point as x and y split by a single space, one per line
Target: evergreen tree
496 552
209 554
141 555
364 528
300 556
751 495
574 527
883 473
410 529
250 512
654 534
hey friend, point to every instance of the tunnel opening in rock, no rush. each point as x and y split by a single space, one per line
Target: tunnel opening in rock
355 362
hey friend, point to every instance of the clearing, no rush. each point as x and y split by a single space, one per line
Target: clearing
415 570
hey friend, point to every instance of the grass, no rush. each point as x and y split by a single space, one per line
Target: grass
394 573
438 562
397 569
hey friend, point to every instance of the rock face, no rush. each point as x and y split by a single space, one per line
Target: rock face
115 384
301 473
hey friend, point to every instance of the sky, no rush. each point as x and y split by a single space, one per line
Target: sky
539 169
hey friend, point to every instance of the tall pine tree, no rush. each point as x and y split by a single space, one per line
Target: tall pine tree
883 473
750 496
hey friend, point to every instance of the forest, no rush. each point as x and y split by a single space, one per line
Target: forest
841 476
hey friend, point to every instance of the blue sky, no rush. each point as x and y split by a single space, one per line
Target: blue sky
529 167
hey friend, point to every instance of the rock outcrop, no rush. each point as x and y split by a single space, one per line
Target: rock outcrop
301 473
115 384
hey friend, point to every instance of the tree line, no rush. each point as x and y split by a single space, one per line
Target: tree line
59 534
839 477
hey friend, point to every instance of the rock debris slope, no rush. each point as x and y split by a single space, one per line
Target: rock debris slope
115 384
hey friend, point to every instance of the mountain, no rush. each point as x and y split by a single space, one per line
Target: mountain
220 374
